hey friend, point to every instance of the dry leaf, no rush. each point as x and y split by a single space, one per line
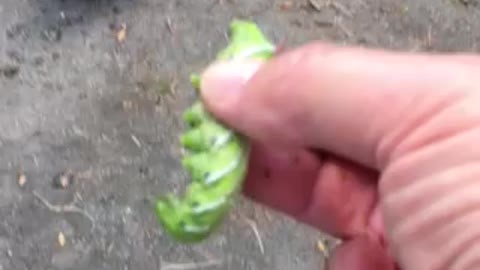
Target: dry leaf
22 179
61 239
127 104
286 5
322 248
122 33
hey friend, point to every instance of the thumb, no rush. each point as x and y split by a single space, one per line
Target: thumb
339 99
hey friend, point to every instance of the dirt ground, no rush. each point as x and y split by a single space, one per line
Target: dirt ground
79 96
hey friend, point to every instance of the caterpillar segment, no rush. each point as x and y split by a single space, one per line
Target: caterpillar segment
216 156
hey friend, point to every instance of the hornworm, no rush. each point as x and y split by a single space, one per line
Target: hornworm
216 156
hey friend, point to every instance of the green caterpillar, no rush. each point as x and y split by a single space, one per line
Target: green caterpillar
217 156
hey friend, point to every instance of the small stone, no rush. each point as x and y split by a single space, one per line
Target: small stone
63 180
9 71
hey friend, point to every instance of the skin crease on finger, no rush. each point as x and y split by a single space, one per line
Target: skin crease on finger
422 132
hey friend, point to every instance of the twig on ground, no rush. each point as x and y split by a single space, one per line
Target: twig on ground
173 84
428 41
317 5
168 22
68 208
254 228
345 29
190 266
340 8
136 141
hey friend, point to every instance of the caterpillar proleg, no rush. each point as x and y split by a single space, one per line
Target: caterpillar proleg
216 156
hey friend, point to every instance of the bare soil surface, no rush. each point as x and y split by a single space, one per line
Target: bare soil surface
96 89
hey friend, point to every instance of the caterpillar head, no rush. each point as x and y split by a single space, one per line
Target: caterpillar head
246 42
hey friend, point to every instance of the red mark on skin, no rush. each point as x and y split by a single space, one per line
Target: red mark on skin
267 173
296 159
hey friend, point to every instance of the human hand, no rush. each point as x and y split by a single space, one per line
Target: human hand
382 149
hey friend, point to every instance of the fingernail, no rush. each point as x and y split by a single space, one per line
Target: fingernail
223 81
